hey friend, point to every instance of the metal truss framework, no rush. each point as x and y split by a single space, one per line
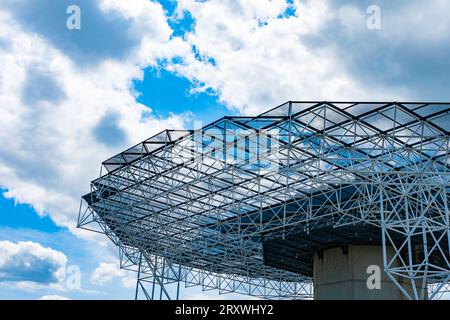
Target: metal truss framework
181 213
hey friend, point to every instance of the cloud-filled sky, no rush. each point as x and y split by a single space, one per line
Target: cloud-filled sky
70 99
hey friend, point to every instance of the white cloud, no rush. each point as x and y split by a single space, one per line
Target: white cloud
262 60
28 264
422 23
49 150
323 51
53 297
106 272
352 19
129 281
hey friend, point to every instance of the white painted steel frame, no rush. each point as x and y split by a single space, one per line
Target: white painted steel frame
183 215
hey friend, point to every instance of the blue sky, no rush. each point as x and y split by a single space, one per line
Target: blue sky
169 93
72 98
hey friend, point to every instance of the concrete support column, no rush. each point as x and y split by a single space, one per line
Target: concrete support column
341 274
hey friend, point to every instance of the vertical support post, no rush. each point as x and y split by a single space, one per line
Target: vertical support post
178 283
163 267
138 276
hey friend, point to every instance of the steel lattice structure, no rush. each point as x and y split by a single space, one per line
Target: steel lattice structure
245 213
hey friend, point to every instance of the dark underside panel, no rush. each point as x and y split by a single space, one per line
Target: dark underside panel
296 252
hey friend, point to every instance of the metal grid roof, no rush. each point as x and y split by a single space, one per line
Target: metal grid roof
207 199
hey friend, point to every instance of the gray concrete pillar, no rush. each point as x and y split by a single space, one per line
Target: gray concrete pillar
341 274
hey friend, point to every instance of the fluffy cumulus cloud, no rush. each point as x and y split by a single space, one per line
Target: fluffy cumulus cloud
256 54
66 98
106 272
29 264
110 29
253 54
408 53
